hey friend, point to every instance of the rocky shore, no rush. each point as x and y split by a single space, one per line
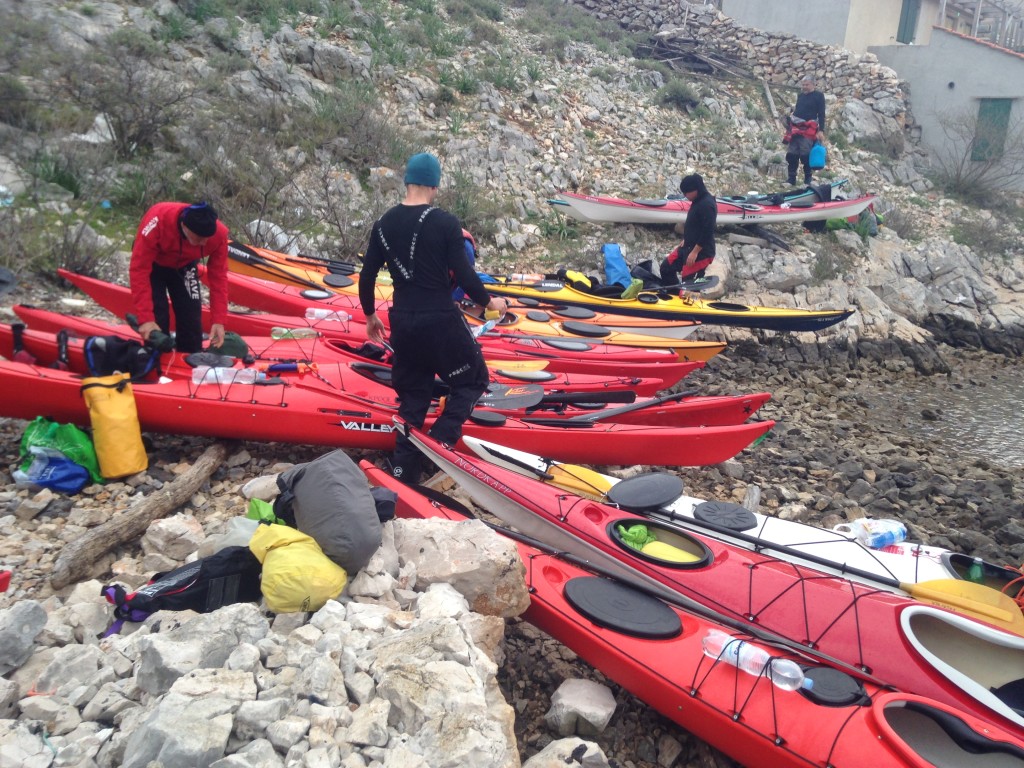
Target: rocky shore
845 446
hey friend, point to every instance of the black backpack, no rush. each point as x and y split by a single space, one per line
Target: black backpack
112 354
231 575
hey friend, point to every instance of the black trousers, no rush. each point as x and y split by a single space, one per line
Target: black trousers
182 286
795 160
428 344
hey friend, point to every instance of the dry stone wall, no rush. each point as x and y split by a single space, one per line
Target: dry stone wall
778 59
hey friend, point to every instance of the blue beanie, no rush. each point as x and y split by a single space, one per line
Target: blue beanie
423 169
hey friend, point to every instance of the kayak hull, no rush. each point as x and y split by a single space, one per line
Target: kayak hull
666 305
562 354
301 409
608 209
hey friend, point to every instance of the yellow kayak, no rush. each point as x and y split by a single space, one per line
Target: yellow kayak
342 277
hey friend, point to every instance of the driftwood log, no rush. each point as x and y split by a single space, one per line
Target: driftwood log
77 558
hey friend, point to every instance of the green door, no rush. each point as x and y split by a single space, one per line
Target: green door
908 21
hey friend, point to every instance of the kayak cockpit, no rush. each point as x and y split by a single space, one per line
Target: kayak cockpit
985 662
946 741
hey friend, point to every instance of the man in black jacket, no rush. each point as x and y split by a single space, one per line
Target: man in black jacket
423 247
691 257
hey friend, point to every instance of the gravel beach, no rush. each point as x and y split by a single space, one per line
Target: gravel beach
846 445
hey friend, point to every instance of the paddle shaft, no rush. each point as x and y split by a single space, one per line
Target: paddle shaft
635 406
692 606
1004 612
920 591
680 601
253 259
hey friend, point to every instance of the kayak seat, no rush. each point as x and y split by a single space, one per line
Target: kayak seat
803 203
658 543
380 373
1012 695
920 726
623 609
726 306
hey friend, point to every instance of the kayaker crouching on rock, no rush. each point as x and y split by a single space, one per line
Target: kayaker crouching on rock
695 254
171 240
423 247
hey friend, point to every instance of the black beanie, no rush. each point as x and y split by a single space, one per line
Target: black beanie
692 183
201 219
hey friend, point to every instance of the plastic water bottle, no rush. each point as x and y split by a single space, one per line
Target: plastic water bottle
480 330
784 673
976 571
293 333
322 313
873 533
204 374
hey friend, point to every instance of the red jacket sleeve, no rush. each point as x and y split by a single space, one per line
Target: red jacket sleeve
217 276
144 250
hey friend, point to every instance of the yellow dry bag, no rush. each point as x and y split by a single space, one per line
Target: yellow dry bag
116 433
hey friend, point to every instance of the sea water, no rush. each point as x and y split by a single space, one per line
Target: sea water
981 421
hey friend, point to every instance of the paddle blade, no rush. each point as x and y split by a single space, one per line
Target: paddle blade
975 600
579 480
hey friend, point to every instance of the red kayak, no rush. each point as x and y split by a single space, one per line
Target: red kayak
344 359
967 663
297 407
270 296
654 649
562 355
683 409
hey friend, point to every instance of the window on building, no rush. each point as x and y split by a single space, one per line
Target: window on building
907 30
990 134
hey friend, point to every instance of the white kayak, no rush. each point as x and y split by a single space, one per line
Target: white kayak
660 496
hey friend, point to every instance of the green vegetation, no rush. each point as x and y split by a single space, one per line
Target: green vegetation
477 208
831 260
991 237
679 94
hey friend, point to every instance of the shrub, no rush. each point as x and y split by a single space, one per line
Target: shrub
679 94
477 209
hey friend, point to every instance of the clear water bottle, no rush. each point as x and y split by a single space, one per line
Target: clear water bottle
204 374
874 533
480 330
314 314
976 571
293 333
754 660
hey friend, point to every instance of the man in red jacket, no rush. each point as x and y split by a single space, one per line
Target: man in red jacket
171 240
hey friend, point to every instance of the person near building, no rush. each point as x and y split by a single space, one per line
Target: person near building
806 125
